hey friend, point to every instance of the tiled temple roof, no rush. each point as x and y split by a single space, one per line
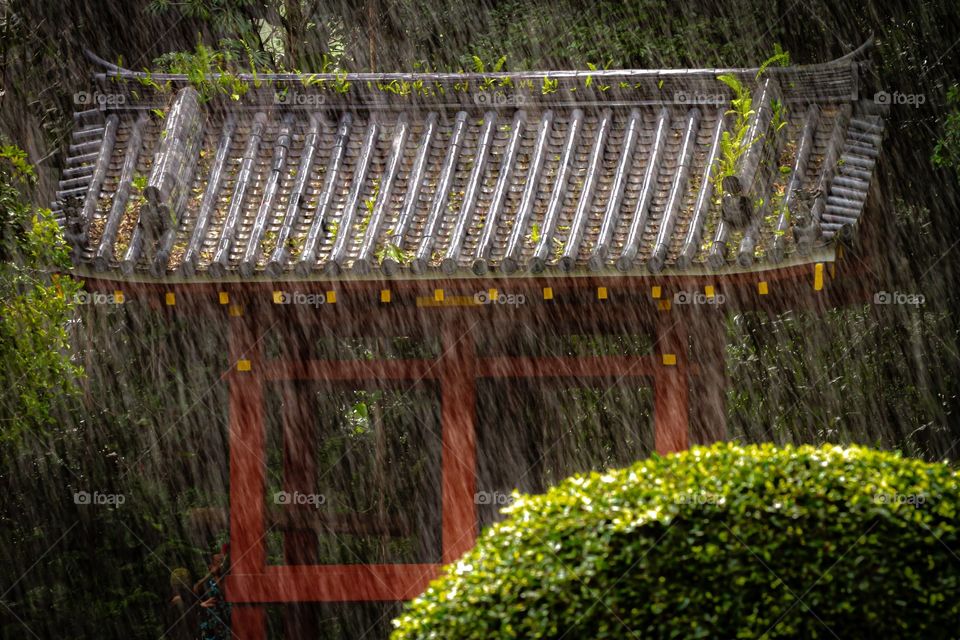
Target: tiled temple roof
428 175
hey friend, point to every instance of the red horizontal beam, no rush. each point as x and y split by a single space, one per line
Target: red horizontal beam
332 583
491 367
358 302
466 285
570 367
351 370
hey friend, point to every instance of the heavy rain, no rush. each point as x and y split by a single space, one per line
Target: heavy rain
490 319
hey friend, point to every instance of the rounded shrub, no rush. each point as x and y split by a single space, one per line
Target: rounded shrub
720 542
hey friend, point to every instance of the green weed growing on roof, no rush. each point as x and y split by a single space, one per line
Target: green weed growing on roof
734 142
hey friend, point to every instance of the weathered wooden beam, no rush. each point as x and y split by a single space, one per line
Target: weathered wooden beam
205 520
332 583
354 370
247 448
670 389
247 622
299 475
568 367
307 518
459 445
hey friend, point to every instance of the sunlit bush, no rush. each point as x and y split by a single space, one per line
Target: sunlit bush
721 542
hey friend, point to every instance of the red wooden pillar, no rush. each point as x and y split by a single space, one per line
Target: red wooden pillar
299 474
248 622
247 471
670 387
459 448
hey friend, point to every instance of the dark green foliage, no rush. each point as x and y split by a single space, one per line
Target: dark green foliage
946 153
725 542
35 304
860 374
150 425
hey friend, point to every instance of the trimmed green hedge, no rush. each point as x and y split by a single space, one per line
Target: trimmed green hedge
720 542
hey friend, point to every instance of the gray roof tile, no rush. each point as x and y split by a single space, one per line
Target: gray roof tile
370 183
